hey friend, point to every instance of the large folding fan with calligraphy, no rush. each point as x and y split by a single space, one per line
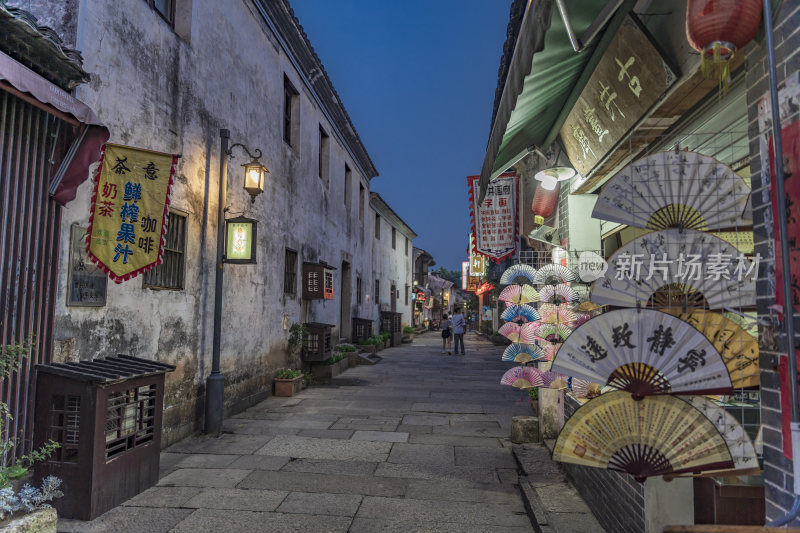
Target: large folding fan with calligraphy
738 348
675 189
711 274
515 272
649 437
644 352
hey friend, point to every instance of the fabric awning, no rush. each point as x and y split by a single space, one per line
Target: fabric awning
544 70
29 85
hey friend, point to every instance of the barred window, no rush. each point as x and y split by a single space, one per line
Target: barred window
377 291
290 272
358 290
170 273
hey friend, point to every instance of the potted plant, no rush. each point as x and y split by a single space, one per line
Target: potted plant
408 334
23 508
288 382
324 371
533 395
386 338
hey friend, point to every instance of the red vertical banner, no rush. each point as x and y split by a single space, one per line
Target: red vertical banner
786 406
494 221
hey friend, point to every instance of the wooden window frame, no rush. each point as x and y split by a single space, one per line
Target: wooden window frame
169 18
377 226
180 271
290 284
394 238
291 113
324 155
358 290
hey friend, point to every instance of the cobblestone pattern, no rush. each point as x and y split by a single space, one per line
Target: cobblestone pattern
777 469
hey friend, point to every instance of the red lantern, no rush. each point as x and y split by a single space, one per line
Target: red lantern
544 201
717 28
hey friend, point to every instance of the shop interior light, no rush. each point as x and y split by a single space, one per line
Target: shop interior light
550 177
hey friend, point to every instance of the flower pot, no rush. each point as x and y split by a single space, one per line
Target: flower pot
42 520
288 387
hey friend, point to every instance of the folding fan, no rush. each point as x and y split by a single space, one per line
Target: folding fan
520 313
582 388
550 378
580 319
710 274
517 333
561 293
543 365
675 189
519 294
515 272
588 307
651 437
554 273
556 314
523 353
741 447
644 351
738 348
550 350
551 332
522 377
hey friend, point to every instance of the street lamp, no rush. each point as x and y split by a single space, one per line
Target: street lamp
254 174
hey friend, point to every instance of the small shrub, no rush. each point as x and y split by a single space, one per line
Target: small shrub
534 394
345 348
408 330
335 358
286 373
28 498
297 333
375 340
385 336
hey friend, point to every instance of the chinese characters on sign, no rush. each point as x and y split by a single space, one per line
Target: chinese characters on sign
130 203
630 77
87 283
495 219
690 267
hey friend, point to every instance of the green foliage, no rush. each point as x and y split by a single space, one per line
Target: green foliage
11 357
345 348
450 275
335 358
408 330
287 373
486 327
374 340
385 336
297 333
534 394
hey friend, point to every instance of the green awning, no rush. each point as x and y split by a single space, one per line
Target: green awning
543 72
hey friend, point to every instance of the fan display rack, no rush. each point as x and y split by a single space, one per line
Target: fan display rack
667 335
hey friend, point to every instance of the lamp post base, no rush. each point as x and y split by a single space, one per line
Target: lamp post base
215 386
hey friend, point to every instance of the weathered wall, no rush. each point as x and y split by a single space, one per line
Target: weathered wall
391 266
778 479
165 92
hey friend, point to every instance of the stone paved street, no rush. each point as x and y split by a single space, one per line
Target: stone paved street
418 442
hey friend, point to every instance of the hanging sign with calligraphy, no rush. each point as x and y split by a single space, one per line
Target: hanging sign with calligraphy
631 76
477 262
129 210
494 221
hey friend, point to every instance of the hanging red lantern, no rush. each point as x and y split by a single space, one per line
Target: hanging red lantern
718 28
544 201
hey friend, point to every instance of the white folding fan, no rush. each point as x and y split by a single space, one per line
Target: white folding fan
676 268
675 189
644 351
561 293
515 272
554 274
650 437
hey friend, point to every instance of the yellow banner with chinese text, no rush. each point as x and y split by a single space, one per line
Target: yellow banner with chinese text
129 210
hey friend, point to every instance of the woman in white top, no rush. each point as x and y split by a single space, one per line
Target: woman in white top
447 334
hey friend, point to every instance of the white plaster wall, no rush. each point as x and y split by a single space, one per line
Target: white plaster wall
584 231
392 266
157 91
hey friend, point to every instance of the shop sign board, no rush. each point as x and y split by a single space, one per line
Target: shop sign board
477 262
494 221
87 282
464 274
631 76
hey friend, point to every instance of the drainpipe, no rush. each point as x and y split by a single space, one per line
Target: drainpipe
788 308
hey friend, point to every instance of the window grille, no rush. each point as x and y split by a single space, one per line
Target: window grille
130 419
290 272
170 273
65 421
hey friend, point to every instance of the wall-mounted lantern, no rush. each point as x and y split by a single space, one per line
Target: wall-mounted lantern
240 240
254 176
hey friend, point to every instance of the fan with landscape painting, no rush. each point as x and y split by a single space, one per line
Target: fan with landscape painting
652 436
675 189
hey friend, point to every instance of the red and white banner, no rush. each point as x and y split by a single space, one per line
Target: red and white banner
494 222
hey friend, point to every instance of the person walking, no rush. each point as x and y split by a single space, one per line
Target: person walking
459 326
447 338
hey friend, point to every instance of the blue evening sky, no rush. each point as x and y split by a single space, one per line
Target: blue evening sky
418 79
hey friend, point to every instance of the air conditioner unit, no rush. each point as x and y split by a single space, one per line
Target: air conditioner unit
545 234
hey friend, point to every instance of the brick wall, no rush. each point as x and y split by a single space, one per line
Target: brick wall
777 469
616 500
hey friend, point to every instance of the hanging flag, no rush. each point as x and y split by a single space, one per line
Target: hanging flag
129 210
494 221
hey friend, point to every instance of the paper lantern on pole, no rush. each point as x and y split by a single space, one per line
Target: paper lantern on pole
718 28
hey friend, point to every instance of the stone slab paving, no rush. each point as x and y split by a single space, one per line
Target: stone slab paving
418 442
